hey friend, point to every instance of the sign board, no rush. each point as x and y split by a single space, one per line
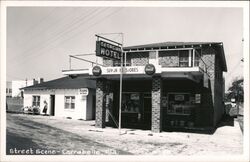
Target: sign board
84 91
197 98
104 49
179 97
150 69
96 71
134 96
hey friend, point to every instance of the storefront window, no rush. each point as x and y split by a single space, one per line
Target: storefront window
180 104
183 58
130 102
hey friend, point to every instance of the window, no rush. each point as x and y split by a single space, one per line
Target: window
197 57
36 101
180 104
7 90
183 58
10 90
69 102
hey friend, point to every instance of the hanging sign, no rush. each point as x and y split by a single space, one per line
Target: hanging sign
97 70
84 91
149 69
104 49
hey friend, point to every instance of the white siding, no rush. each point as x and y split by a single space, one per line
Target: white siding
89 114
83 104
44 96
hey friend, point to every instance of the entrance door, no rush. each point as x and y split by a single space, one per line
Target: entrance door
147 110
52 105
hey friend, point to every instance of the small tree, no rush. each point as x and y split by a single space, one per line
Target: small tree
236 90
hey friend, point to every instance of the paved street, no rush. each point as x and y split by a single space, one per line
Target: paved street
28 134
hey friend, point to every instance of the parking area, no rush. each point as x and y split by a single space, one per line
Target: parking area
54 135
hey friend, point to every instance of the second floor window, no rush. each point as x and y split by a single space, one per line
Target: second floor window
69 102
36 101
183 58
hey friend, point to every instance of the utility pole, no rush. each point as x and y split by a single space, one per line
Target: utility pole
120 101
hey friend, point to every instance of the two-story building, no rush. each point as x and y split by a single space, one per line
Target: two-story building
164 86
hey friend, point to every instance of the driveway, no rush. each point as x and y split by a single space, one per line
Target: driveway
54 135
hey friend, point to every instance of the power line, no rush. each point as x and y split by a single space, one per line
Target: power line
51 37
59 34
78 33
31 28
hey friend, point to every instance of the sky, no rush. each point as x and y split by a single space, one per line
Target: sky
40 39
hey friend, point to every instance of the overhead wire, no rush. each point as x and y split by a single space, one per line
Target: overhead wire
89 27
53 36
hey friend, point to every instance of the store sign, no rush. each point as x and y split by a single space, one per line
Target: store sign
84 91
104 49
97 70
197 98
126 70
134 96
179 97
150 69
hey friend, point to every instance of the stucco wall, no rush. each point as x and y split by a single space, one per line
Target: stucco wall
44 95
82 109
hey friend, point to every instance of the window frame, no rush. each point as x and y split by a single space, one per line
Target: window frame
71 104
36 100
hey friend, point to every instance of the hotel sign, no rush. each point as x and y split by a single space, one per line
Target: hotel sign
104 49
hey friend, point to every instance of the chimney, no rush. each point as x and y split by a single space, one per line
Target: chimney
41 80
34 81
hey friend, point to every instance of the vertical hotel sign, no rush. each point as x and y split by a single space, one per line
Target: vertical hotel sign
104 49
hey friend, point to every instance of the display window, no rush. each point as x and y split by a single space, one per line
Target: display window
180 103
130 103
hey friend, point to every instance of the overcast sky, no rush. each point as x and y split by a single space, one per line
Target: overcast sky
39 39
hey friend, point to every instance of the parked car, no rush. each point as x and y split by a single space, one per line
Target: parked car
31 110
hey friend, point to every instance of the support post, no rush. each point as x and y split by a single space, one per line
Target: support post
156 104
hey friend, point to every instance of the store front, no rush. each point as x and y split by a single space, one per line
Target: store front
164 86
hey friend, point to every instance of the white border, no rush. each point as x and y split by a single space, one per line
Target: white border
241 4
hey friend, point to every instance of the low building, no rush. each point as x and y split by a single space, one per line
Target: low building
17 85
8 89
65 97
165 86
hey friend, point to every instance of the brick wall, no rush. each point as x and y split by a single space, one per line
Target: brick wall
100 103
218 90
156 104
213 95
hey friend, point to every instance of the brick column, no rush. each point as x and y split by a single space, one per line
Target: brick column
156 104
108 100
100 103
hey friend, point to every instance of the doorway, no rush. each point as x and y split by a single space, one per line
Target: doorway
147 109
52 105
